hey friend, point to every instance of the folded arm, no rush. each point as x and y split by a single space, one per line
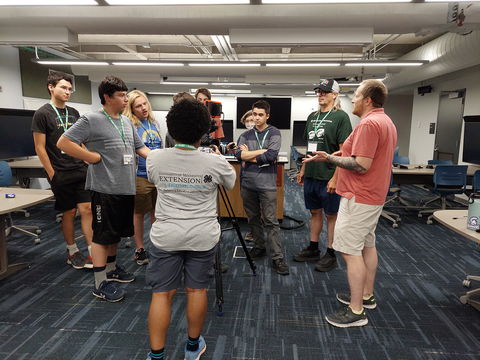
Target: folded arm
76 151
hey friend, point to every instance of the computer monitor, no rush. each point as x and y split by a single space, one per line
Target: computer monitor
471 138
280 110
16 138
298 131
227 131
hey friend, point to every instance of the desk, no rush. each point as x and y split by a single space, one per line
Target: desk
423 176
23 198
456 220
26 169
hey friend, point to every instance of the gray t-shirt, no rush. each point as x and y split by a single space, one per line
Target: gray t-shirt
110 175
186 209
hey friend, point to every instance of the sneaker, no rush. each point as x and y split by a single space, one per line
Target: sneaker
109 292
346 318
195 355
370 303
307 255
141 257
249 236
89 263
281 267
257 253
120 275
77 260
327 263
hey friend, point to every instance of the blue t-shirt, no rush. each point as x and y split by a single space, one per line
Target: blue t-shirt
150 135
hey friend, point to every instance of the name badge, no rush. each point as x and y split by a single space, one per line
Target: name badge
127 159
312 146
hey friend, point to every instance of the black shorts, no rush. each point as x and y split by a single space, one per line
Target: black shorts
69 188
112 217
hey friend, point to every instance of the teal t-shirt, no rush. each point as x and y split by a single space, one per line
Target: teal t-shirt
328 131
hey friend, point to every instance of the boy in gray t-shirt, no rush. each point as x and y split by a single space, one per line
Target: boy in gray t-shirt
111 142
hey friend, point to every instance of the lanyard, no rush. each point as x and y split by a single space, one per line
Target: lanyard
318 125
149 132
185 146
263 141
65 126
122 133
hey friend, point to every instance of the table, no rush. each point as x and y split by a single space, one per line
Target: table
26 169
456 220
423 176
23 198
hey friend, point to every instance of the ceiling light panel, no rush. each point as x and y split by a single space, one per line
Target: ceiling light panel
229 84
177 2
216 64
383 63
46 2
67 62
334 1
301 64
183 83
146 63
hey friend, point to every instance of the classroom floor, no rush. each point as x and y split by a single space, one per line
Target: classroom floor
48 311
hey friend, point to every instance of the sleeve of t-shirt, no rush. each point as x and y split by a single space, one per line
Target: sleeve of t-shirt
39 122
80 131
150 164
227 174
365 141
241 141
344 130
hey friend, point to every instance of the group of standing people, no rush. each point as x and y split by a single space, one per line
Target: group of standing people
108 164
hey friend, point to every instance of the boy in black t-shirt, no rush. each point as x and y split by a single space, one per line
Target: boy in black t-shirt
66 174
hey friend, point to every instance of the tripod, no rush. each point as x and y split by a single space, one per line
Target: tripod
218 255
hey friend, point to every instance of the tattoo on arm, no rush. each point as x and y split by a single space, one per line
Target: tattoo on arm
347 163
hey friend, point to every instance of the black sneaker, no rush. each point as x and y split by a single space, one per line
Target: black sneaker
346 318
307 255
327 263
120 275
249 236
77 260
368 304
281 267
257 253
109 292
141 257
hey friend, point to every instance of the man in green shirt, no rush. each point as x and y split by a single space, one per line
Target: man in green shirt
326 130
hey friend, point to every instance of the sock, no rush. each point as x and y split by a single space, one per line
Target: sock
72 249
313 245
367 297
89 250
356 312
331 252
100 275
157 354
192 344
111 261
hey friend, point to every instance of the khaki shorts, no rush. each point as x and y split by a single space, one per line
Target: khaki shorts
145 197
355 226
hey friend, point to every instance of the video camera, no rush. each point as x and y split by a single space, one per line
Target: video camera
215 110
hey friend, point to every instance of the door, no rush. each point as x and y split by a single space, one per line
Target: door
449 127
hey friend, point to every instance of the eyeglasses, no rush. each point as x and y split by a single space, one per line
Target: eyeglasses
321 92
121 96
67 89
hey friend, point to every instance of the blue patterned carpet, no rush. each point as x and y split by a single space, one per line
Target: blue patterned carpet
49 312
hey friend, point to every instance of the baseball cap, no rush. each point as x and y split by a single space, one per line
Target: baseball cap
329 85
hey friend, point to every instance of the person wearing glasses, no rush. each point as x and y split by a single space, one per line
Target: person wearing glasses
111 142
326 130
66 174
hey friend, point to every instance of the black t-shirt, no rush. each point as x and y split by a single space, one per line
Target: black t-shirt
46 121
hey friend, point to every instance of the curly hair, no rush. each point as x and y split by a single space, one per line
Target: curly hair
109 86
187 121
55 76
128 112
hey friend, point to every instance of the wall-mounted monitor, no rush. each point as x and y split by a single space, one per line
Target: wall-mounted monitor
471 139
16 138
227 131
298 131
280 110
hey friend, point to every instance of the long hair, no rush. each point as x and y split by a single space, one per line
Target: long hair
128 112
337 105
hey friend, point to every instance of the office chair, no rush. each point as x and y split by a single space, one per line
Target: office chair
447 180
401 160
440 162
292 173
396 151
476 182
5 181
392 196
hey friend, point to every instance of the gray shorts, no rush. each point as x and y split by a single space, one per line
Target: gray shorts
164 271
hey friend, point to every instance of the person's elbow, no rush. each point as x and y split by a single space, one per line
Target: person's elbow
364 164
62 143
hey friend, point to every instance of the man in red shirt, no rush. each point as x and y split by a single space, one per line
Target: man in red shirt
363 180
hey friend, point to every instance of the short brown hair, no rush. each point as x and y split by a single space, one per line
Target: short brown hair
205 92
376 91
245 116
182 95
262 104
54 78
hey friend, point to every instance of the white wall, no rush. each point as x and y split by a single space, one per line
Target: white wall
10 78
425 111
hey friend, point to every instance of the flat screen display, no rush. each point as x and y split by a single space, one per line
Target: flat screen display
280 110
471 139
227 131
298 131
16 138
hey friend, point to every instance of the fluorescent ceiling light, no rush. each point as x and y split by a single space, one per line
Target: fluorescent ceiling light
159 93
225 91
383 63
301 64
183 83
451 0
223 63
177 2
46 2
229 84
146 63
69 62
349 84
333 1
308 92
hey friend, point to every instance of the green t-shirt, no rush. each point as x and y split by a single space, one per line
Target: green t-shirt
328 134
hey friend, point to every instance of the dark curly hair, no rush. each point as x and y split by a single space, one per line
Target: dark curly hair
109 86
187 121
55 76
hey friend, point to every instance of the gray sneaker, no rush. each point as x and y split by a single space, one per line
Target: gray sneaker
327 263
370 303
281 267
77 260
347 318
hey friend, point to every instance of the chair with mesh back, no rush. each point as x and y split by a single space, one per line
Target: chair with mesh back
447 180
6 181
292 173
476 181
392 196
440 162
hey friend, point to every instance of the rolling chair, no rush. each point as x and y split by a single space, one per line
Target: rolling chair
396 151
392 196
401 160
476 181
292 174
6 180
440 162
447 180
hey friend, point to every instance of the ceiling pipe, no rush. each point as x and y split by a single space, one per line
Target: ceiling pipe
448 53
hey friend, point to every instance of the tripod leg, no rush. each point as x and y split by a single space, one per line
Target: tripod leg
218 279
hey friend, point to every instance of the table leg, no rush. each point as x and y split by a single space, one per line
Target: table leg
5 269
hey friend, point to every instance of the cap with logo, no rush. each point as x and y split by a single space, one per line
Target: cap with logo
328 85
